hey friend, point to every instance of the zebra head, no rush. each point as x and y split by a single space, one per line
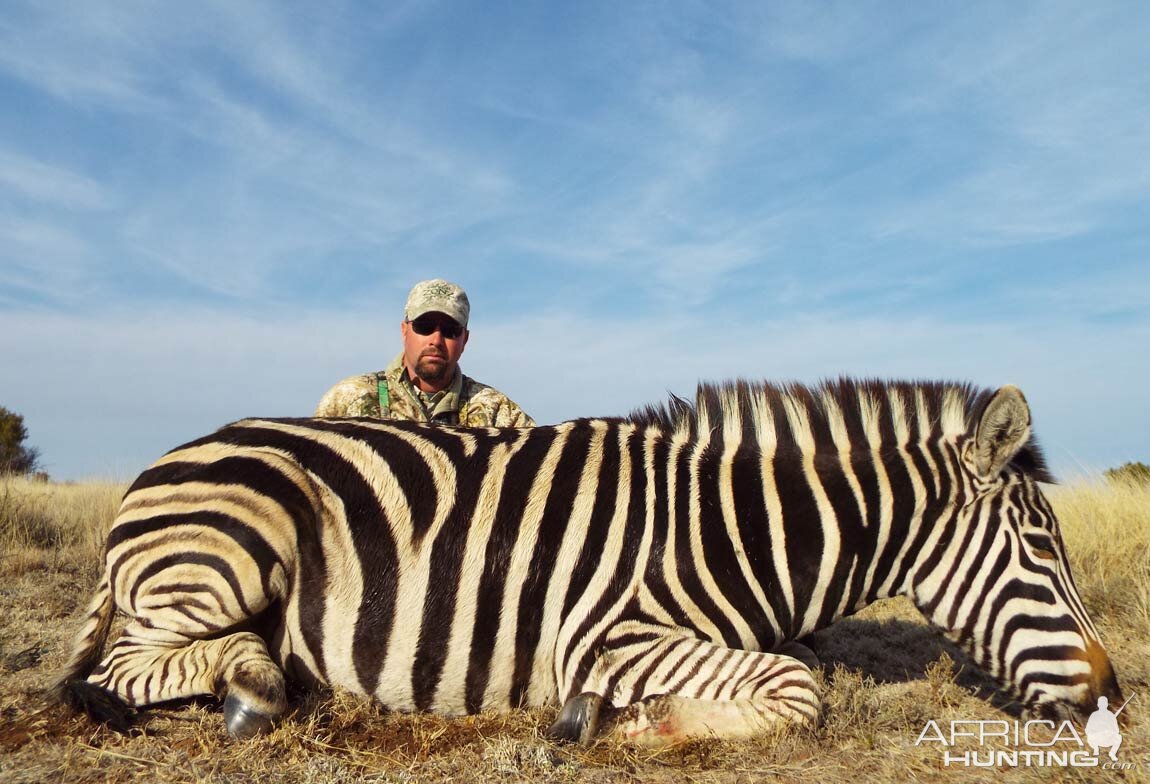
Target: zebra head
999 583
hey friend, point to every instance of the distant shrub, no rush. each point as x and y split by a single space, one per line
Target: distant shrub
15 456
1130 473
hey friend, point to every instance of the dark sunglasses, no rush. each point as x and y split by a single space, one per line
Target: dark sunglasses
426 325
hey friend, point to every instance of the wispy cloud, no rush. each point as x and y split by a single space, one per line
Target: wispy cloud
38 260
289 161
1040 134
728 141
27 179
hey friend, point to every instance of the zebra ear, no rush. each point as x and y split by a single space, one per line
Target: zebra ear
1003 429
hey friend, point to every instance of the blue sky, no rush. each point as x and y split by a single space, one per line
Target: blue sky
213 210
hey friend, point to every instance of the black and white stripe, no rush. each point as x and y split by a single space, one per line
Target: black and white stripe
657 565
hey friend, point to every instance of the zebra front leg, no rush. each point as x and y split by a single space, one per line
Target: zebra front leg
579 719
148 665
671 688
730 694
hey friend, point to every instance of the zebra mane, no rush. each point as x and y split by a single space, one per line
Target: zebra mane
798 415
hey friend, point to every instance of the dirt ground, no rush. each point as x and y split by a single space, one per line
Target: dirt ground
885 676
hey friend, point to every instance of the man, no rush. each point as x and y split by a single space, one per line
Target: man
424 383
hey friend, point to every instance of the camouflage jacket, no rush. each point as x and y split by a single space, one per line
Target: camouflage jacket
389 394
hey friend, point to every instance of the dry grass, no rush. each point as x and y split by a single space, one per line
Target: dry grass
1107 533
884 675
63 522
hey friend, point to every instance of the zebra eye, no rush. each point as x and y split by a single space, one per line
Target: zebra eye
1042 546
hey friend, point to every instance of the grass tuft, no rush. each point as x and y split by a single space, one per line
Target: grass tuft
45 519
1106 529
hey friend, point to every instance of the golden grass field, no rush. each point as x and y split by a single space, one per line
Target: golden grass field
884 675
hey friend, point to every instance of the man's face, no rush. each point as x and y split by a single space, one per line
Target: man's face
431 358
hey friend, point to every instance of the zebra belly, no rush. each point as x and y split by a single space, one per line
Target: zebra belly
404 684
451 665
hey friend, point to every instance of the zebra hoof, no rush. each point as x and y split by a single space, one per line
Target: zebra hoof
243 722
578 722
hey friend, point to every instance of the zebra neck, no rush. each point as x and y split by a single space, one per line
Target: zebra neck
777 546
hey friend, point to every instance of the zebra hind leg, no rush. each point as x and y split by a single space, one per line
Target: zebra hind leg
97 702
149 665
255 698
670 689
72 689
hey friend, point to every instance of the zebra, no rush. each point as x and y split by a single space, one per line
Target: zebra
648 575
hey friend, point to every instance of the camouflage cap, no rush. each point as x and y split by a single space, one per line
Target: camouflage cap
437 296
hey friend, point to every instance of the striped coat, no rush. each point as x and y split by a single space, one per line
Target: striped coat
648 573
